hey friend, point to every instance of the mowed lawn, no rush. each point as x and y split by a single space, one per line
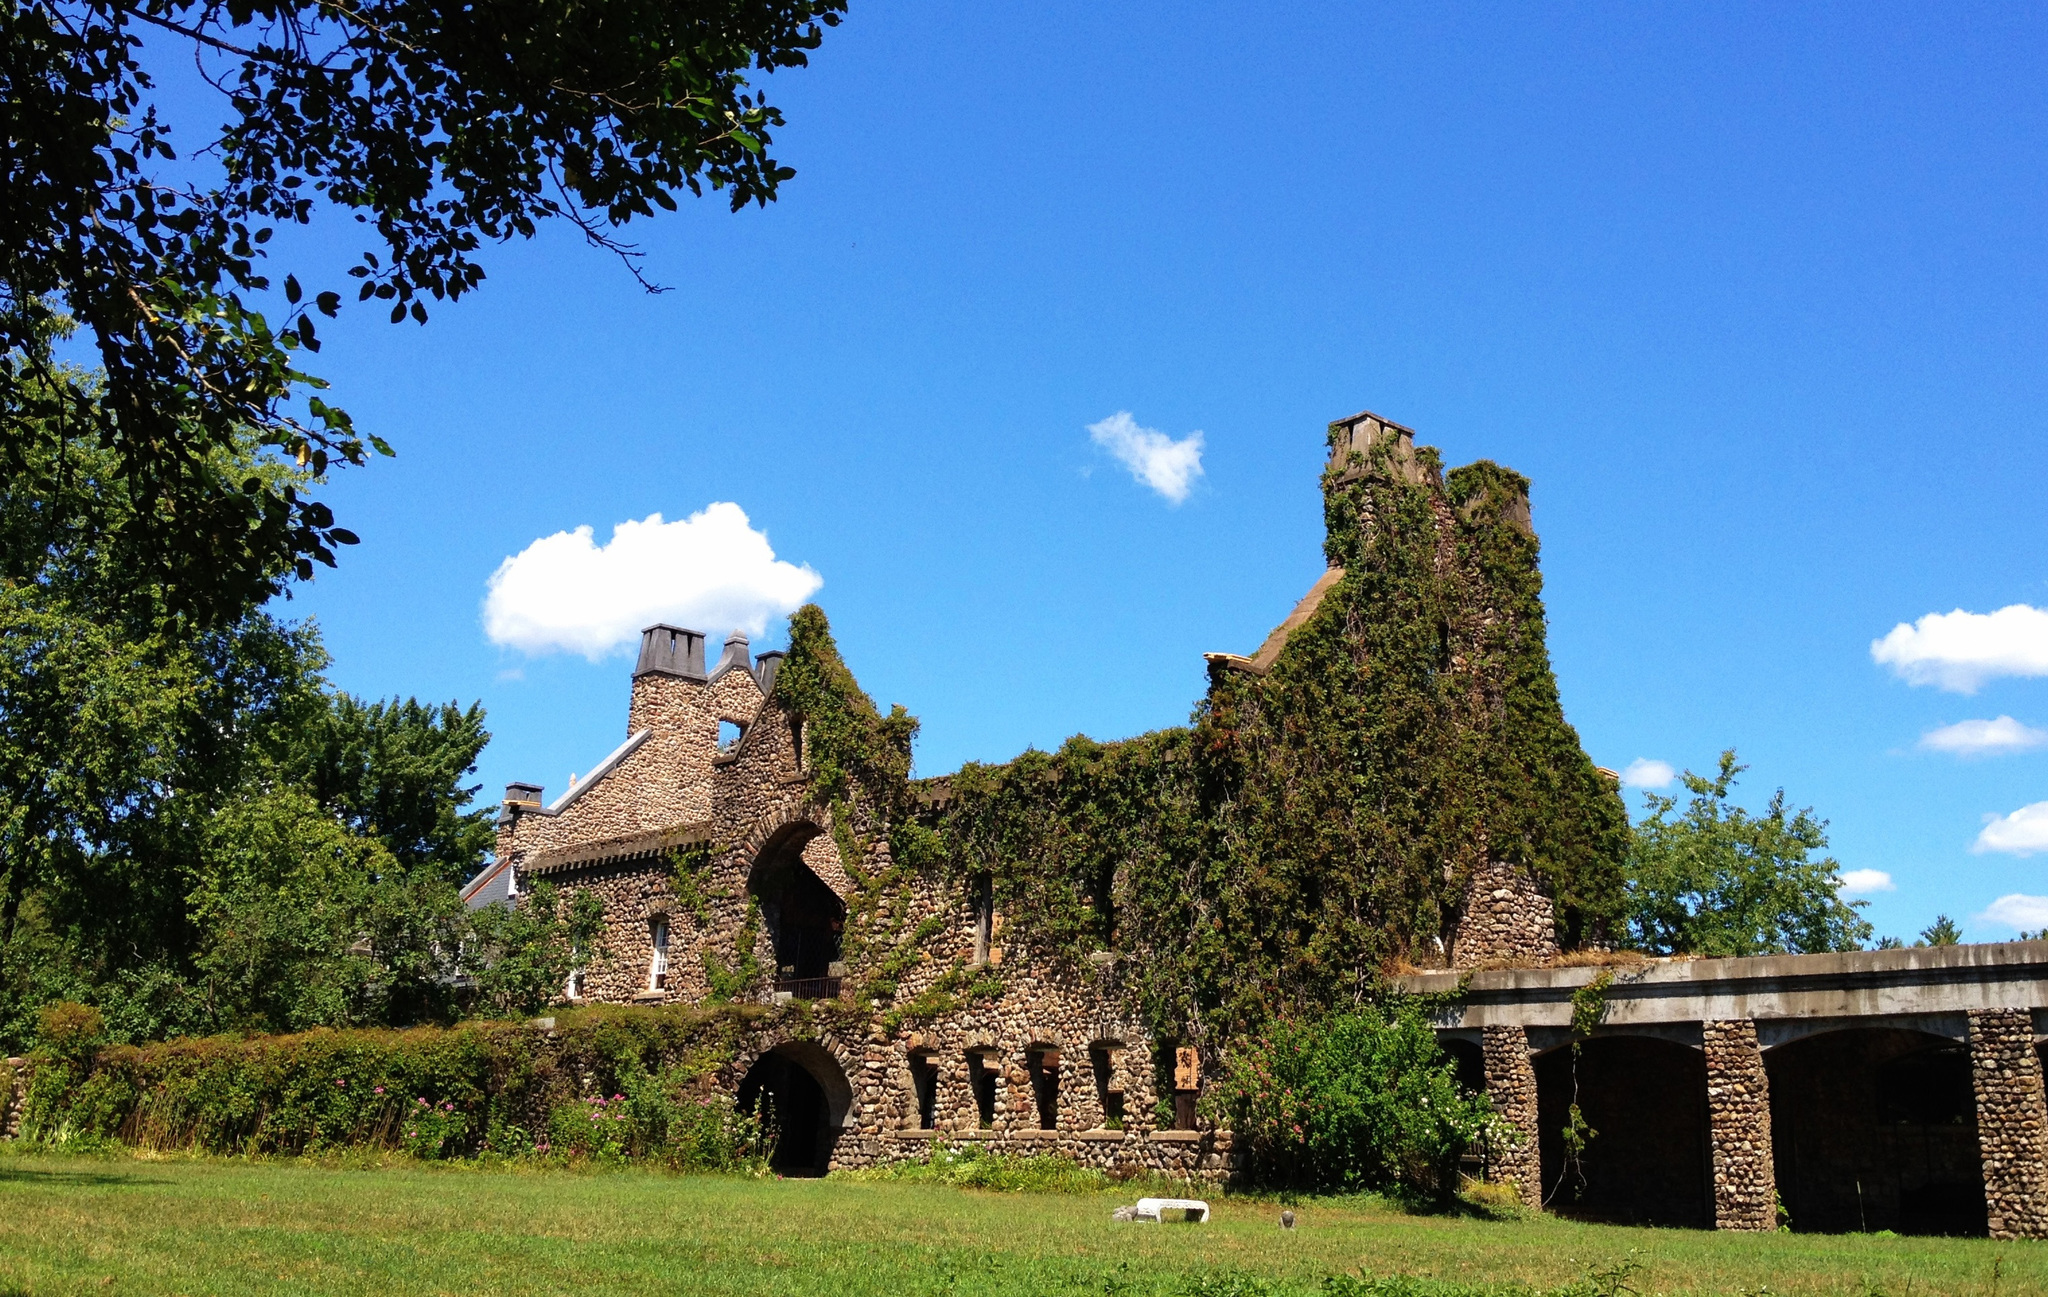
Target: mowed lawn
126 1225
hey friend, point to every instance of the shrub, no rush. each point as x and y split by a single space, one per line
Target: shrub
69 1030
971 1167
435 1092
1361 1100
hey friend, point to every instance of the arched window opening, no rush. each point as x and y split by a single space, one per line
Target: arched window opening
924 1090
657 968
1104 1058
981 1079
1043 1064
984 918
804 918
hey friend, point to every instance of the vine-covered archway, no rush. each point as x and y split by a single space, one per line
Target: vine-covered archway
801 1094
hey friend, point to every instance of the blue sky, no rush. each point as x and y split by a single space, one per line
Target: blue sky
1755 294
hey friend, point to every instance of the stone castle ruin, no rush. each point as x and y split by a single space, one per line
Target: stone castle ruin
1051 955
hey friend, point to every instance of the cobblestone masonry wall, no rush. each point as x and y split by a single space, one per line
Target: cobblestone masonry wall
1739 1127
2012 1121
1063 1037
1511 1084
13 1097
1505 916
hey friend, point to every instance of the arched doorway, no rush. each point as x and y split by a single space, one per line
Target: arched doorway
1646 1161
800 1091
1875 1129
804 917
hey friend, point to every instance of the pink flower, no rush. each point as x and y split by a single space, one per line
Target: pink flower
343 1084
380 1089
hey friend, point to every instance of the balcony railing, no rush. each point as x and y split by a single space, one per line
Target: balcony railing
809 988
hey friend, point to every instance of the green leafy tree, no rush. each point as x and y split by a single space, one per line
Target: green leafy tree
1357 1100
1716 880
1944 932
438 128
196 831
520 956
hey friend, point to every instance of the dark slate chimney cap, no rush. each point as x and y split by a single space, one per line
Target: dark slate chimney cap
671 651
765 667
523 793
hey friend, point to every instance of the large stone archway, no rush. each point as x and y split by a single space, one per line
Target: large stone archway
800 1088
1647 1161
1876 1129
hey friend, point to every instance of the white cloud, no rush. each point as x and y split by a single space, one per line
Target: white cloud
1959 651
1984 738
1167 466
1862 882
1645 773
2021 833
2018 910
711 572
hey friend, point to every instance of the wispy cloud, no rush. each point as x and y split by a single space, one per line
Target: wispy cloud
711 571
1984 738
1646 773
2021 833
2018 910
1167 466
1961 651
1862 882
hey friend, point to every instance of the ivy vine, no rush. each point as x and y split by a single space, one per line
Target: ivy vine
1308 827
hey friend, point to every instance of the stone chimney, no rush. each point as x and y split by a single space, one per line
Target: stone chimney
765 667
1363 433
671 651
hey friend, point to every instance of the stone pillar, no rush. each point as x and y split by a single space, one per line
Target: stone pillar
1505 917
2012 1121
1511 1084
1739 1127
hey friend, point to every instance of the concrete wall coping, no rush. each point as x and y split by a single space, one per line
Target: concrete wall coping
1944 963
1859 984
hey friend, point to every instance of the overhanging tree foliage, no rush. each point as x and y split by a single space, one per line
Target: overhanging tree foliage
196 831
1719 881
439 128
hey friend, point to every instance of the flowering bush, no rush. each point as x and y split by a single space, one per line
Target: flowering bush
667 1118
1361 1100
432 1130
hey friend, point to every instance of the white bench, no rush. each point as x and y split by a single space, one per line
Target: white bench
1193 1211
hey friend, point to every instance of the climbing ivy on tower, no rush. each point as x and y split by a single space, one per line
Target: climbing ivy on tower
1315 821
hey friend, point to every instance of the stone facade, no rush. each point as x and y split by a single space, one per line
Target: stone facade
1511 1085
1506 918
2012 1121
721 856
1739 1127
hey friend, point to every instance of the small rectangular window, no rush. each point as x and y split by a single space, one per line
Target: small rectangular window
658 969
574 990
981 1079
924 1082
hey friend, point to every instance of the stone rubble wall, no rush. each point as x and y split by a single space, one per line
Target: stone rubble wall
1739 1127
2012 1121
1511 1085
13 1097
1505 917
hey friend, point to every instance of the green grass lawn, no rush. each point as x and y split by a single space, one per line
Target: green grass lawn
127 1225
